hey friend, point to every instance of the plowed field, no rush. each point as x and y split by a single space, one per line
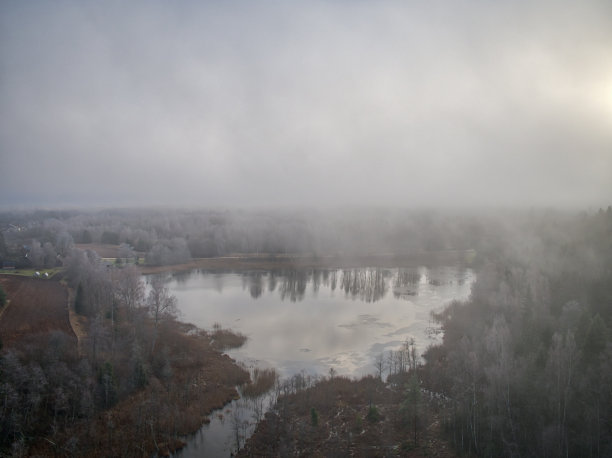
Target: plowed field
35 306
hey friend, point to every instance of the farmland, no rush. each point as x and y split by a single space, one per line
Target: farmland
35 307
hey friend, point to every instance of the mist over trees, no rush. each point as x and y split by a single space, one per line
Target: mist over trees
526 361
524 368
307 143
173 236
129 348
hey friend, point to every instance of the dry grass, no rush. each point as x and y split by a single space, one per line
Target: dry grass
225 339
36 307
262 381
346 425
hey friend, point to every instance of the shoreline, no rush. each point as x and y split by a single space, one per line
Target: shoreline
296 261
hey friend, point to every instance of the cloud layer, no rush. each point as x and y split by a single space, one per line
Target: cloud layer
313 103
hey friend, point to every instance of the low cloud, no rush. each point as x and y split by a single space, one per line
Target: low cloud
329 103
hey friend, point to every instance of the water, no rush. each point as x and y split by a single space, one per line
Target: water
228 426
317 320
312 321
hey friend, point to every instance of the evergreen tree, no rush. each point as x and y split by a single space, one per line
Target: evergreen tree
107 385
2 297
79 300
410 411
314 416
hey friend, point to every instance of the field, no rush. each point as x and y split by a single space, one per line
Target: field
35 306
103 250
32 272
106 251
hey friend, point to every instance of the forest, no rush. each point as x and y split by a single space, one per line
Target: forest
171 236
526 362
524 367
93 360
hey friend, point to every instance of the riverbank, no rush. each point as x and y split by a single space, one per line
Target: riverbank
244 262
342 417
155 420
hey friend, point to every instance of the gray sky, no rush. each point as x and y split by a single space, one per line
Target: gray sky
310 103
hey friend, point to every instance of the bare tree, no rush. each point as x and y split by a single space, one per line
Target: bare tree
36 254
161 304
63 243
380 364
411 350
49 255
128 289
126 252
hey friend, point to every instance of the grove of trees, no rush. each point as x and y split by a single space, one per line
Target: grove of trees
526 362
173 236
133 382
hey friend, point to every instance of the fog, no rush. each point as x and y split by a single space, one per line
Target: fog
313 104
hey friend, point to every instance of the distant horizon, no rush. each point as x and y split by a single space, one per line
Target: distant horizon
305 208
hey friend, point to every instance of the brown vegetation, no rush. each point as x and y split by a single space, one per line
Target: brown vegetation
155 419
262 381
36 306
342 417
224 339
136 386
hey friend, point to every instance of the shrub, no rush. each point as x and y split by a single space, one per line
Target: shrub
79 301
314 416
373 415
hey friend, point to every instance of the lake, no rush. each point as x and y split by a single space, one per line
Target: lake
318 320
314 320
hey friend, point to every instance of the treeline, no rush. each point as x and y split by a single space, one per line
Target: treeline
134 363
526 362
171 236
174 236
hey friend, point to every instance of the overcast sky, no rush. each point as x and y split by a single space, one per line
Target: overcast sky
409 103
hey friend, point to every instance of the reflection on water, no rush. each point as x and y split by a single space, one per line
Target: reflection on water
318 319
293 285
229 427
367 284
305 322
